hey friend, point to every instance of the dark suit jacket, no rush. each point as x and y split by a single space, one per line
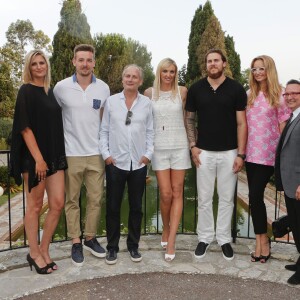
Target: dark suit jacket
287 165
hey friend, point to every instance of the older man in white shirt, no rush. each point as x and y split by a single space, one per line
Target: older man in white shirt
126 141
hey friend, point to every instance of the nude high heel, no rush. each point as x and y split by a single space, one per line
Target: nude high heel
164 244
169 257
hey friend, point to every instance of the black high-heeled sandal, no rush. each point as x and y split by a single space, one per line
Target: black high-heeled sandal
31 262
254 258
52 266
265 258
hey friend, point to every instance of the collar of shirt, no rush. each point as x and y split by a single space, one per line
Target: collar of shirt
295 114
122 97
75 78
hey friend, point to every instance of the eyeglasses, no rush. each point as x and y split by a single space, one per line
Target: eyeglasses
128 117
286 95
258 70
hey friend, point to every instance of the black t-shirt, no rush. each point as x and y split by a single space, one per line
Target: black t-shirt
42 114
216 112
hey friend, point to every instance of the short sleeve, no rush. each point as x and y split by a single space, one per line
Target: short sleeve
190 100
56 94
21 118
241 101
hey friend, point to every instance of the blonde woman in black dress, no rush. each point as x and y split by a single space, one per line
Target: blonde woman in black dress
38 156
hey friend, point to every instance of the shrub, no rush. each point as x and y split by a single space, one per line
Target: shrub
7 109
3 144
5 127
4 173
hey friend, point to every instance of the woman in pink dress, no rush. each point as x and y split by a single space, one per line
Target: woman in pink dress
266 117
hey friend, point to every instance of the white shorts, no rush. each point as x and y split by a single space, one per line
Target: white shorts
176 159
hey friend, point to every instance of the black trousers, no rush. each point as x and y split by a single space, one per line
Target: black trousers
116 180
293 210
258 176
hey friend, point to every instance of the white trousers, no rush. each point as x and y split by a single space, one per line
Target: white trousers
215 164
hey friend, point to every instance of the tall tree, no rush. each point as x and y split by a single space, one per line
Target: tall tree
138 54
245 78
7 91
113 53
21 35
73 29
6 84
182 76
198 25
111 56
233 58
212 38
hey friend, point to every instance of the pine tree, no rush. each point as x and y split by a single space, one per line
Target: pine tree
212 38
198 25
233 58
73 29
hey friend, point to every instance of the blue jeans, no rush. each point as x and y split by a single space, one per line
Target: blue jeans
115 185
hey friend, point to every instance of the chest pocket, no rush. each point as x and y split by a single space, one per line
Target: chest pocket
96 103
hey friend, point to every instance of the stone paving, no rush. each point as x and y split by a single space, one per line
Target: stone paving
17 280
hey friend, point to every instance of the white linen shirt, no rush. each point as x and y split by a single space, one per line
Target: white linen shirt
81 114
127 143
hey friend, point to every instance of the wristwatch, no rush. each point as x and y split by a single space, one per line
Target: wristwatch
242 156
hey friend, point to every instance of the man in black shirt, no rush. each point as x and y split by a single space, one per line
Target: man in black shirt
218 151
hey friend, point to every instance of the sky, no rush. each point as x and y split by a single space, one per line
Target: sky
258 27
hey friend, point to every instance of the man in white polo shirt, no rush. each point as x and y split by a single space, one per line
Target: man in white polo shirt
82 97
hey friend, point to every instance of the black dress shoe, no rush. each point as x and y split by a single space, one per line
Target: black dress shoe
291 267
294 279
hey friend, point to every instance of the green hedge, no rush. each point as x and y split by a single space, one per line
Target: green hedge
5 131
5 127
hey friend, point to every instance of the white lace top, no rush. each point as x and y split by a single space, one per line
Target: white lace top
169 130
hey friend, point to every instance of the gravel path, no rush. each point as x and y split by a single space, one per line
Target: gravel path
170 286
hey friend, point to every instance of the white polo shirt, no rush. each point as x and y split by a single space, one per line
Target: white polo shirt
81 114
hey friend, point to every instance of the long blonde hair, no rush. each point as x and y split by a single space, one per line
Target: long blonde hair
274 89
27 77
165 63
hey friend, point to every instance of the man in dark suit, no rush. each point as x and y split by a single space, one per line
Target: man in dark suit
288 169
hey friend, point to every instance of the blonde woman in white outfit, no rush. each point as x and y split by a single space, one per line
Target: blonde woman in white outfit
171 155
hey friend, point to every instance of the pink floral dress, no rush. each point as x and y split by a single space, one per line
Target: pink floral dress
263 130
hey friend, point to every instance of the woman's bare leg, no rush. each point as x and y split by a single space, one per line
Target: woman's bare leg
34 203
177 181
165 191
56 197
